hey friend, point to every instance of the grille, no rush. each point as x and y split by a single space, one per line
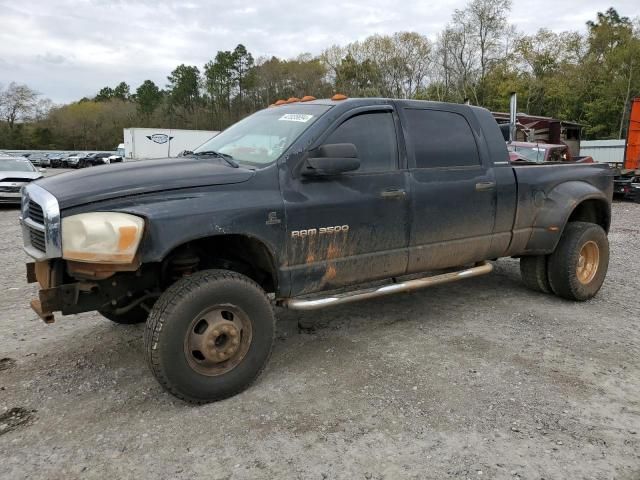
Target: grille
10 189
35 213
40 223
37 239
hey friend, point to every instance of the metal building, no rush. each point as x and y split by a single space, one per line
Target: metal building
603 151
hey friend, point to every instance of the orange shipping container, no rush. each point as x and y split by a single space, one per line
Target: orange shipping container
632 151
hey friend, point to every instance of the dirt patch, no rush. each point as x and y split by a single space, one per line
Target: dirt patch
7 363
14 418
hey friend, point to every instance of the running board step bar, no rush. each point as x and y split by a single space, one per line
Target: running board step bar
314 304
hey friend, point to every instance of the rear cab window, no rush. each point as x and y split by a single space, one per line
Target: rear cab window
440 139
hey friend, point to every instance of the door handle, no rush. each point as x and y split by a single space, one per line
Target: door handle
393 193
485 186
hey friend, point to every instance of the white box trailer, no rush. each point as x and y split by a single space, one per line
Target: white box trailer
148 143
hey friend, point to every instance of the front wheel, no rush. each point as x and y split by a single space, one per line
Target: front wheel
578 266
209 336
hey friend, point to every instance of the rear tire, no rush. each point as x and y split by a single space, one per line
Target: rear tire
578 266
533 271
209 336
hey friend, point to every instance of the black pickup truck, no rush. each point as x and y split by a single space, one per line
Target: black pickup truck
304 205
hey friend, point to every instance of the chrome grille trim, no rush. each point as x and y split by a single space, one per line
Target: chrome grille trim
40 231
33 226
35 213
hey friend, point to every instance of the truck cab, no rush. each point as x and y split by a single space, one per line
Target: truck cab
303 205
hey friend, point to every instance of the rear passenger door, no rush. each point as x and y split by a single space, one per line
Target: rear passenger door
453 194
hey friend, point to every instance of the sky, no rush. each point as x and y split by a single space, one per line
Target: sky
68 49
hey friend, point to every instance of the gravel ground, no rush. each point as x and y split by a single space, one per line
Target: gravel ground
479 379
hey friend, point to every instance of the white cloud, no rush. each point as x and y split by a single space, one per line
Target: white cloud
68 49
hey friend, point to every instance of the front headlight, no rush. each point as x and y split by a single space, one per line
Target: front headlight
101 237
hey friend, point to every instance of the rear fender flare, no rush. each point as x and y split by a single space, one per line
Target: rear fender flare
559 204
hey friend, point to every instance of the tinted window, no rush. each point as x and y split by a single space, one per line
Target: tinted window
374 136
440 139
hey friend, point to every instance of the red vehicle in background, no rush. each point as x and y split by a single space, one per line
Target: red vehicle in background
533 139
542 153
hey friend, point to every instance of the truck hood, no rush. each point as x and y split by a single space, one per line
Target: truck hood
134 178
18 176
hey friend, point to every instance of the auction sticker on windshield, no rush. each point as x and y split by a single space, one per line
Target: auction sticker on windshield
296 117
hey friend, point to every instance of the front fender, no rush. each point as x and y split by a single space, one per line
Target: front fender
177 217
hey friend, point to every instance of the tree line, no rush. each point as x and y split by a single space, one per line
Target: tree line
589 77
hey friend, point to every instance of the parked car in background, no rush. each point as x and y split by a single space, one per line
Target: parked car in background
15 172
39 159
56 159
116 158
73 161
94 159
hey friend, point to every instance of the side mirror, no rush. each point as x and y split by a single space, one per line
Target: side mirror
331 159
41 170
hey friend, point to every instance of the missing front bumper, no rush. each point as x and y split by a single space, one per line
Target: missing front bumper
53 296
47 317
96 289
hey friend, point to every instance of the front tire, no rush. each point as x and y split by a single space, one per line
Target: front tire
578 266
209 336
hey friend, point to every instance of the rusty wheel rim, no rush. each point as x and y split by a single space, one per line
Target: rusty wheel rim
588 262
217 340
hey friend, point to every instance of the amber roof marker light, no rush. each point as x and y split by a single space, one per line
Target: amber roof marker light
339 96
306 98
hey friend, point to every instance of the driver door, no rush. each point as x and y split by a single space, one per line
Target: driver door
352 227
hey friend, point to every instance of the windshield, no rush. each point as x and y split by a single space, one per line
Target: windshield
533 154
15 165
261 138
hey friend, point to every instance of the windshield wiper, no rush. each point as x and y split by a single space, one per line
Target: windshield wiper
227 158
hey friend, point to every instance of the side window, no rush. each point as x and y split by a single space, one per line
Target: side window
440 139
374 136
